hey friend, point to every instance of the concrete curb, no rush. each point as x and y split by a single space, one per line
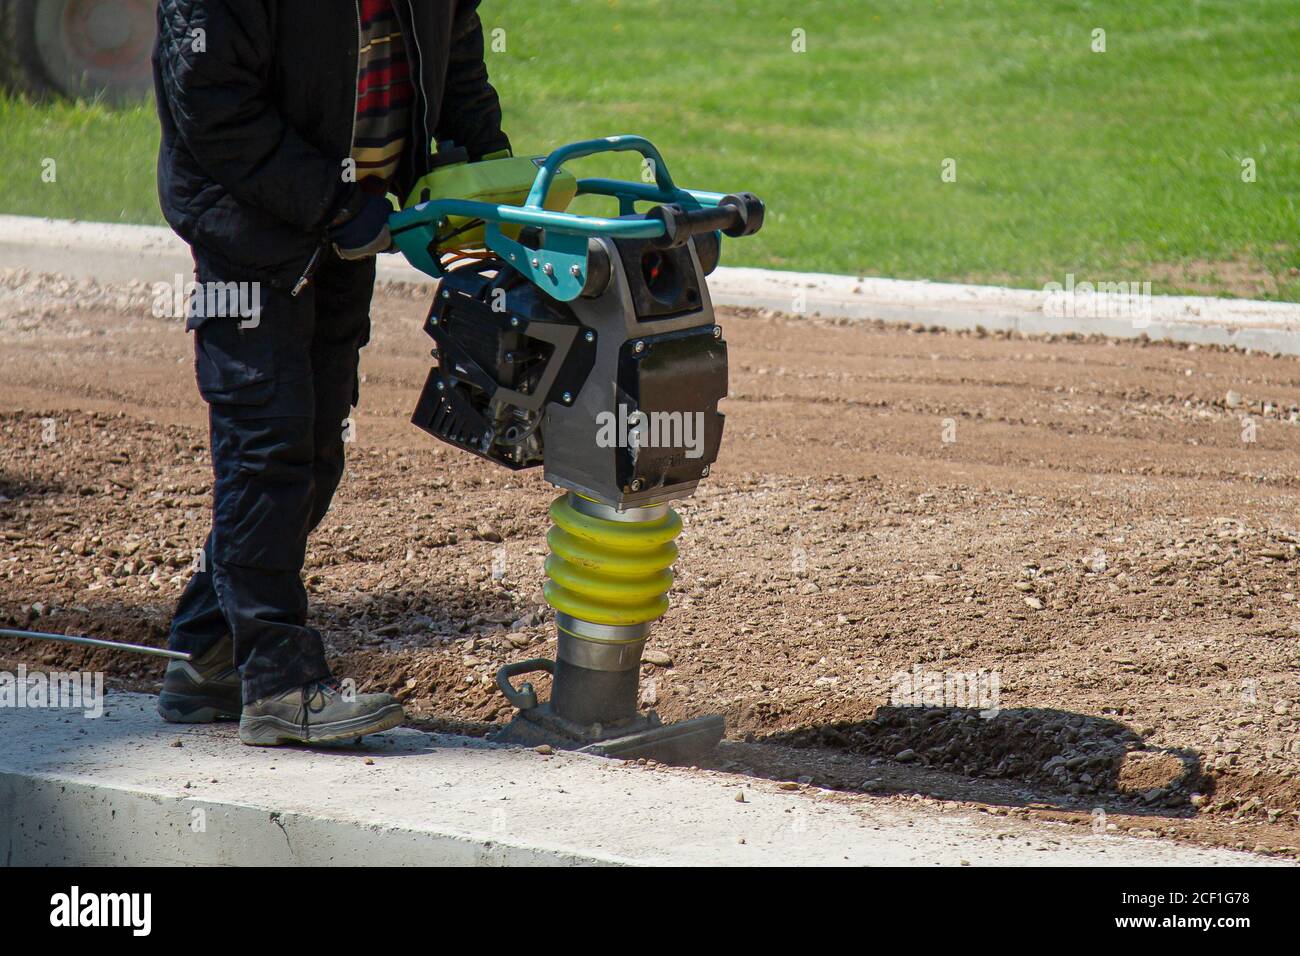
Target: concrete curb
128 789
1244 323
120 253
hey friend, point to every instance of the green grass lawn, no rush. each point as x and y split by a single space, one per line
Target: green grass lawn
1119 165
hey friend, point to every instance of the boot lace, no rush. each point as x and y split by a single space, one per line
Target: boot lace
316 697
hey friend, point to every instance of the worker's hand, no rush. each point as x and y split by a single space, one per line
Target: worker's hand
366 233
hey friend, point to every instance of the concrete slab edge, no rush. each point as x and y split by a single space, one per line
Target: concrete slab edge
71 822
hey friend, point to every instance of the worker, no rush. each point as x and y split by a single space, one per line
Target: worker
285 123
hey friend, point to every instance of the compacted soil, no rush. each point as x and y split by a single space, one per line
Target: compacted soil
1102 537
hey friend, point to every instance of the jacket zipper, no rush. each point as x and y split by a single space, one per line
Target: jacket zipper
356 83
307 273
314 261
424 112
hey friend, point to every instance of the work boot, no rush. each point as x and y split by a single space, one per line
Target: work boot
317 713
202 690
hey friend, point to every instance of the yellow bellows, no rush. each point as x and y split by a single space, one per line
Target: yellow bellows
610 572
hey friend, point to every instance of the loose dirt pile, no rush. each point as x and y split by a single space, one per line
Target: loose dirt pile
1103 536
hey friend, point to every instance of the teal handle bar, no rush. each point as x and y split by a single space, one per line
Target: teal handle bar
590 147
415 229
533 213
437 210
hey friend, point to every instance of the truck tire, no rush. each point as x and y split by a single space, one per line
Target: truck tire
77 48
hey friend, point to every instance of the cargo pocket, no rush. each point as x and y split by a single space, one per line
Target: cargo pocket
234 364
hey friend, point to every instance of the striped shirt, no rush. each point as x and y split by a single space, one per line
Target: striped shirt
384 93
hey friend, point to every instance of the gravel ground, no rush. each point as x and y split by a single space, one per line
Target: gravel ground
1102 537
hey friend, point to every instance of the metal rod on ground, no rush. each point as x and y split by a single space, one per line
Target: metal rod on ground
96 642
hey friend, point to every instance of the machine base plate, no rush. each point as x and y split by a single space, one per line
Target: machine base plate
684 742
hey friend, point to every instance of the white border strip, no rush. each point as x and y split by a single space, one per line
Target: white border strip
118 253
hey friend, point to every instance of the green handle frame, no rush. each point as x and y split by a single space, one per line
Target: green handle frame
559 265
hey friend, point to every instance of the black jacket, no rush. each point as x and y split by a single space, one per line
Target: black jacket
257 100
